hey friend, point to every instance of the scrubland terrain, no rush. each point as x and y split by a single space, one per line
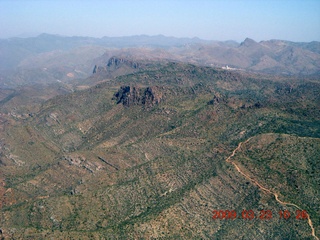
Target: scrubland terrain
148 149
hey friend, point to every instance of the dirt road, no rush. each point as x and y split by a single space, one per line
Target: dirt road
264 188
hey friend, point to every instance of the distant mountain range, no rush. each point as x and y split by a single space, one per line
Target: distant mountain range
48 58
14 50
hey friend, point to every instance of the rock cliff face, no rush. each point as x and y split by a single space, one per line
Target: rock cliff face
117 66
132 95
118 61
115 63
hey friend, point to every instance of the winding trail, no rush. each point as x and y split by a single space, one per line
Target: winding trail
266 189
2 191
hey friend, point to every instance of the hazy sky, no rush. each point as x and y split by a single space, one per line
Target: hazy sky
295 20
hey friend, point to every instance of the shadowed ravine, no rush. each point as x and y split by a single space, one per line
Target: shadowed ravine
264 188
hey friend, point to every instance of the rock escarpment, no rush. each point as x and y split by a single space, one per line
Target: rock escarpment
115 63
118 61
133 95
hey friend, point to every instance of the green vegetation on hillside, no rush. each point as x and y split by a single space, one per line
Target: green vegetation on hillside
88 165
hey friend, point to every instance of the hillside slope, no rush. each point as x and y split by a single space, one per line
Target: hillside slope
144 155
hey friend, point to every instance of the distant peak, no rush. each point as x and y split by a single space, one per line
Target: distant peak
248 42
47 35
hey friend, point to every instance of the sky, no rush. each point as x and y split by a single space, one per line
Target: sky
294 20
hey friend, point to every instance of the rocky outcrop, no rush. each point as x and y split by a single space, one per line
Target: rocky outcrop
117 66
118 61
132 95
254 105
216 100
